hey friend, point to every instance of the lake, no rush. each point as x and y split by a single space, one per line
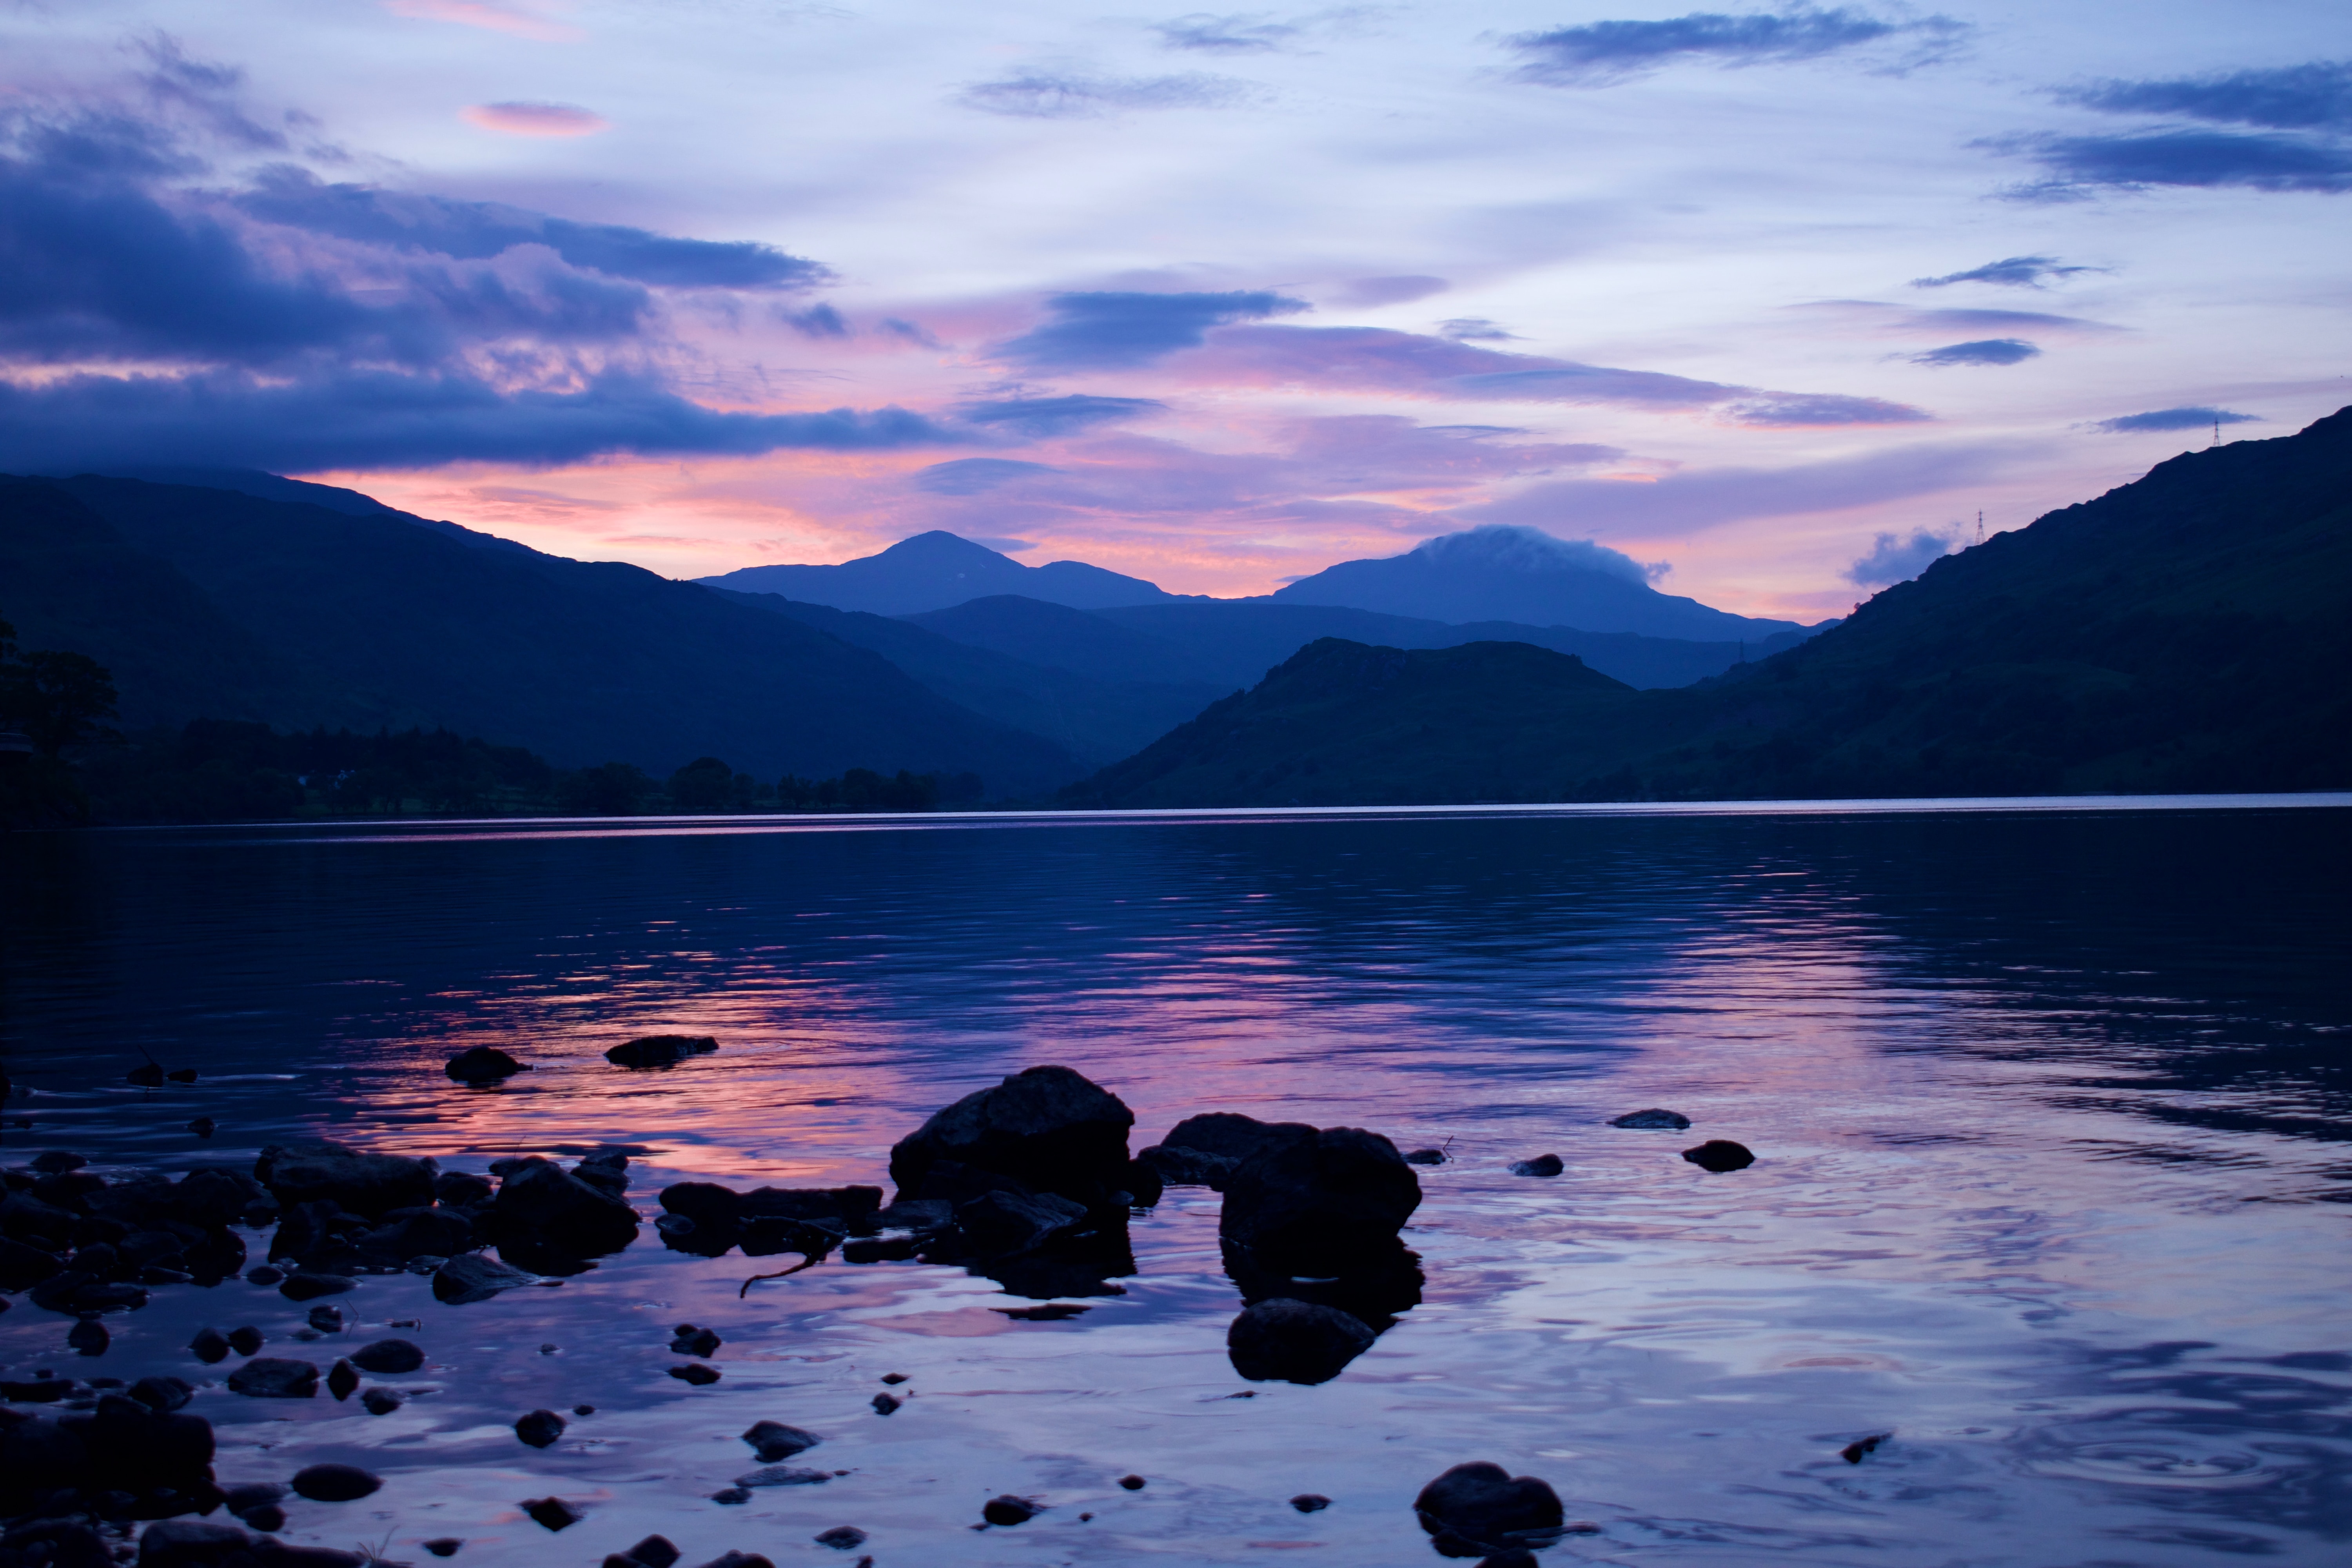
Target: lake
2051 1101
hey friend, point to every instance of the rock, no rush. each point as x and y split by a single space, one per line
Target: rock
463 1189
688 1340
381 1401
57 1161
246 1495
1721 1154
327 1320
1178 1167
480 1066
335 1483
182 1075
1425 1157
552 1512
1853 1453
783 1475
1294 1342
214 1195
1317 1202
1132 1483
660 1050
548 1203
419 1233
1002 1224
275 1377
342 1380
540 1428
148 1074
882 1250
473 1278
37 1223
773 1441
767 1234
163 1395
310 1287
23 1266
1479 1509
388 1358
916 1214
203 1126
368 1184
245 1340
653 1551
895 1378
56 1542
1541 1165
885 1403
444 1545
1310 1502
1653 1119
89 1337
695 1374
731 1497
1046 1127
192 1543
739 1559
842 1538
1008 1509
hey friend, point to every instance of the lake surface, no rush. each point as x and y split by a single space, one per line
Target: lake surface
2051 1106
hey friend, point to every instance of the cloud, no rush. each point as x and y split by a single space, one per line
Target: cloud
470 231
1050 95
1533 550
1396 290
1045 416
487 15
1897 559
1474 329
1984 351
817 322
555 120
389 420
975 476
907 331
1598 53
2311 97
1224 35
1700 498
2012 271
2079 166
2192 418
1099 331
1376 359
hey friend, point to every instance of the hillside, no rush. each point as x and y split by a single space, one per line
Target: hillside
935 571
2185 632
210 603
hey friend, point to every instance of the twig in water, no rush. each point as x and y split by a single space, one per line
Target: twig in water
807 1262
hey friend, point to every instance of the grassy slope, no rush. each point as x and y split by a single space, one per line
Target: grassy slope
2185 632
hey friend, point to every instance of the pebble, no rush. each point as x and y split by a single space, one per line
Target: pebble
1482 1510
783 1475
343 1382
1310 1502
1653 1119
161 1395
653 1552
731 1496
245 1340
1008 1509
444 1545
540 1428
691 1341
1854 1452
1132 1483
1541 1165
842 1538
335 1483
210 1346
775 1441
327 1320
885 1403
388 1358
90 1337
584 1410
275 1377
482 1065
203 1126
310 1287
552 1512
694 1372
264 1274
1425 1157
894 1377
381 1401
1721 1154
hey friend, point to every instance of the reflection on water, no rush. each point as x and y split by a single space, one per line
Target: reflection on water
2050 1106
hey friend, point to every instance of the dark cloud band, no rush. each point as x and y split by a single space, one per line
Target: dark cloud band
1596 54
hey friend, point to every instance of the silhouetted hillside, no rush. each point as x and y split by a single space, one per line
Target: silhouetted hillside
935 571
2186 632
213 603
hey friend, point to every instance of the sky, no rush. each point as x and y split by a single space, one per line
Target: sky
1773 300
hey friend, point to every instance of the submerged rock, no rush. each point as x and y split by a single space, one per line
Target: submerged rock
660 1050
342 1380
480 1066
1294 1342
783 1475
89 1337
773 1441
381 1401
552 1512
1008 1509
1721 1154
1425 1157
695 1374
1861 1448
473 1278
842 1538
688 1340
310 1287
1655 1119
163 1395
1480 1510
1049 1128
245 1340
335 1483
884 1403
275 1377
1310 1502
388 1358
1541 1165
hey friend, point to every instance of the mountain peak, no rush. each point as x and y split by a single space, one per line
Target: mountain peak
938 570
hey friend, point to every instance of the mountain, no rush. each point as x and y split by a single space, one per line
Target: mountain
1096 718
213 603
2185 632
334 498
935 571
1519 574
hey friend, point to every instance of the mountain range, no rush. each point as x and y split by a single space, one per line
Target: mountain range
2185 632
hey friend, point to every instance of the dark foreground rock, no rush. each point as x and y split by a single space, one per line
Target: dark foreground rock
1319 1203
660 1050
200 1543
1541 1165
540 1428
1294 1342
1721 1154
362 1183
1655 1119
1048 1128
482 1066
1204 1151
552 1512
1008 1509
388 1358
716 1219
335 1483
542 1202
472 1277
774 1442
1482 1510
275 1377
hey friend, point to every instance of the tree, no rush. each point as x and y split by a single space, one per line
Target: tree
704 784
56 698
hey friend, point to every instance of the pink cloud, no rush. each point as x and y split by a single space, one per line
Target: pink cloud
521 24
534 119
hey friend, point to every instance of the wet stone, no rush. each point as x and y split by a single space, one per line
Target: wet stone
1310 1502
1008 1509
57 1161
1294 1342
268 1517
388 1358
203 1126
264 1274
894 1378
783 1475
1654 1120
335 1483
210 1346
739 1559
842 1538
552 1512
1541 1165
1721 1154
540 1428
343 1382
1425 1157
89 1337
245 1340
381 1401
653 1552
327 1320
773 1441
161 1395
884 1403
310 1287
480 1066
246 1495
694 1341
444 1545
1480 1510
470 1278
695 1374
1853 1453
660 1050
731 1497
275 1377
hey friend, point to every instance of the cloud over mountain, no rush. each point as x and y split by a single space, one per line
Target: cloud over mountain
2193 418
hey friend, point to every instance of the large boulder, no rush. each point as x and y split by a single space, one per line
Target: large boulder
1294 1342
368 1184
545 1202
480 1066
1315 1205
1047 1127
1204 1151
1483 1511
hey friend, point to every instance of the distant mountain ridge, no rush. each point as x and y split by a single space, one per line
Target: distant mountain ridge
936 571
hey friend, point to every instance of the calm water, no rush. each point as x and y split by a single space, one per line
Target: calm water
2053 1111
